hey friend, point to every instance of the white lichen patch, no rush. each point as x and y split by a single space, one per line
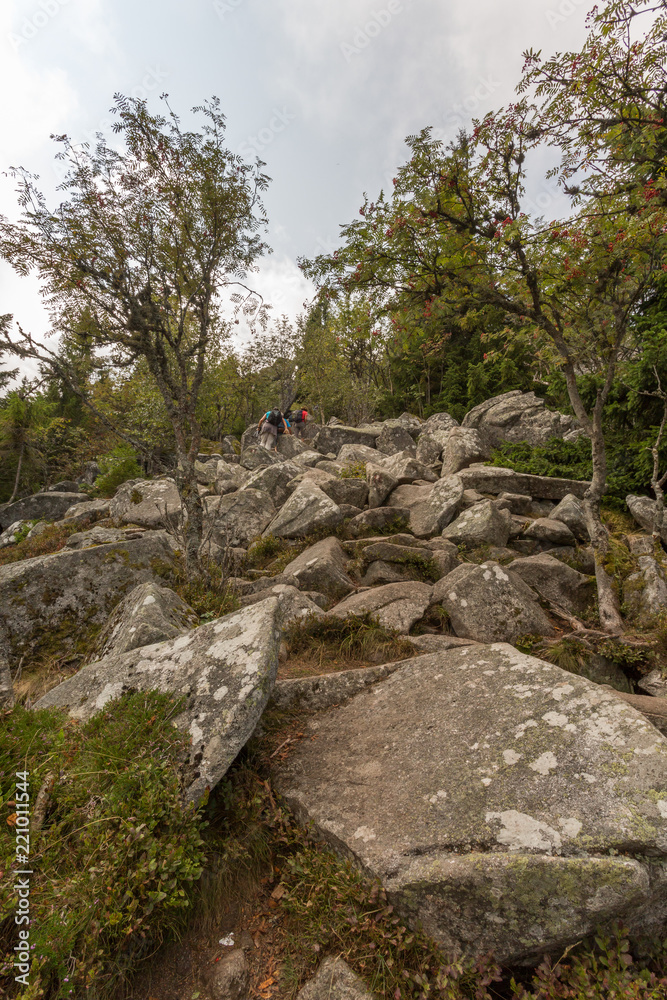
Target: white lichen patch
439 796
561 690
556 719
364 833
545 762
486 781
149 599
662 807
523 726
511 756
108 693
571 827
220 693
522 832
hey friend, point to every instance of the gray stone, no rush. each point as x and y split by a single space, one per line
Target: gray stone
581 559
6 685
11 534
229 979
397 605
206 472
409 494
255 457
390 552
358 454
391 440
289 446
307 459
378 519
63 591
237 518
87 512
517 503
518 416
312 475
64 486
654 683
101 536
379 573
307 510
571 513
431 443
489 603
39 507
481 790
335 980
557 582
149 614
546 529
91 471
333 468
353 492
148 503
441 421
465 445
438 643
645 592
380 484
482 524
641 508
431 515
294 604
225 670
494 479
406 469
333 438
322 567
312 694
273 479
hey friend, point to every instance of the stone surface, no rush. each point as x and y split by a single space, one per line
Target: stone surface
322 567
49 506
293 603
289 445
312 694
645 592
391 440
225 670
229 979
63 591
482 524
87 512
333 438
571 513
429 516
488 603
347 491
101 536
409 495
495 479
273 479
335 980
487 796
255 457
518 416
406 469
146 502
556 581
442 421
236 518
11 534
358 454
654 683
150 613
431 443
378 519
307 459
547 529
380 482
307 510
643 511
464 446
397 605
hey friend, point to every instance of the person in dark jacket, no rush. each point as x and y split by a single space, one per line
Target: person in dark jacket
268 427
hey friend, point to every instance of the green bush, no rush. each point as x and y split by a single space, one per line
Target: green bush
115 860
117 467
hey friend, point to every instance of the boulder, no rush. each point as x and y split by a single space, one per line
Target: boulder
230 477
396 605
334 468
518 416
254 457
293 602
230 445
571 513
431 443
550 531
517 503
409 494
333 438
289 446
641 508
87 512
11 535
89 474
50 506
435 512
147 503
273 479
149 614
101 536
236 518
556 581
654 683
392 440
464 446
224 670
645 592
358 454
64 486
441 421
322 567
347 491
378 519
494 479
307 459
335 980
56 594
206 471
505 805
482 524
406 469
229 978
380 484
307 510
489 603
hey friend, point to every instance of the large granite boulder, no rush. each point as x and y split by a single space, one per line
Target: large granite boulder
483 524
57 594
440 421
255 457
393 439
236 518
549 531
643 511
332 439
507 806
409 495
358 454
380 483
322 567
350 491
431 443
571 513
489 603
397 605
273 479
645 591
308 509
289 445
464 447
224 670
555 581
11 534
335 980
150 613
380 519
429 516
87 512
148 503
518 416
495 479
49 506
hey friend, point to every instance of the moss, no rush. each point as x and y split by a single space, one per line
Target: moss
136 496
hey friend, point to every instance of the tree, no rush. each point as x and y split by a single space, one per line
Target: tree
143 243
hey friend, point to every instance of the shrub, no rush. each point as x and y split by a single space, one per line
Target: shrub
356 636
117 467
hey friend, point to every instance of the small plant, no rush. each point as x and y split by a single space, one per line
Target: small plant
353 470
356 636
117 467
210 596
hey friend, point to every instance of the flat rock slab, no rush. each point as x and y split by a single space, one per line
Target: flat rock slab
147 502
494 479
507 805
225 670
73 587
49 506
149 614
396 605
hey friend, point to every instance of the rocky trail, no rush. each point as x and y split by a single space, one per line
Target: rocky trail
426 623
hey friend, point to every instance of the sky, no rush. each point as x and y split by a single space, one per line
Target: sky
323 91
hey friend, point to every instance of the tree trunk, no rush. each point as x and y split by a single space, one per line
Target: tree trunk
17 480
186 482
608 606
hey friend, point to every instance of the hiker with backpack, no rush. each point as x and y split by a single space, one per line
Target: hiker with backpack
298 419
270 425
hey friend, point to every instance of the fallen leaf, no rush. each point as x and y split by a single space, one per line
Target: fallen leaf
12 819
278 892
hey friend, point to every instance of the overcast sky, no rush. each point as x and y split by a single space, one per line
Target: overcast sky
325 91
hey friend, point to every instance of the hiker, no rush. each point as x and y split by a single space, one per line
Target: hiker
298 419
267 428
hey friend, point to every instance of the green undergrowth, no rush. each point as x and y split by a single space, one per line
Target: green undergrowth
52 539
210 596
116 858
353 470
353 637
